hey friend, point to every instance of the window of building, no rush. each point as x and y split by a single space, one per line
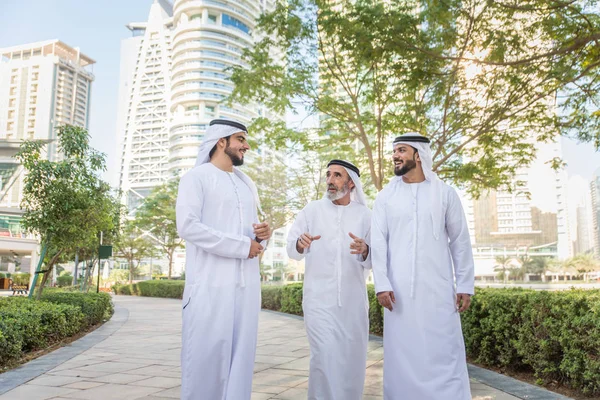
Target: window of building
212 18
235 23
196 16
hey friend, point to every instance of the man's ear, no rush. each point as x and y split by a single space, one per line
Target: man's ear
351 184
417 156
222 143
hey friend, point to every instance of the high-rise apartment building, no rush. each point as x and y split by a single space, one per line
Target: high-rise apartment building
174 76
43 85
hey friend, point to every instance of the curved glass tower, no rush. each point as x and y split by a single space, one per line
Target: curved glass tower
208 37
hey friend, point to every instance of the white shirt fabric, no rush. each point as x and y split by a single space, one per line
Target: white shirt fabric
424 349
221 301
335 304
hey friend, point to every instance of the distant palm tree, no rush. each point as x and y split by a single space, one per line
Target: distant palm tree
540 265
502 266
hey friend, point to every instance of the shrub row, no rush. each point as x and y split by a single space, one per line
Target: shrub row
28 325
554 335
172 289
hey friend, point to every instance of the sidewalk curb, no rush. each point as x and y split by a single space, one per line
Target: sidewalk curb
34 368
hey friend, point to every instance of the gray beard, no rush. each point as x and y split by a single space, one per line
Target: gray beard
338 194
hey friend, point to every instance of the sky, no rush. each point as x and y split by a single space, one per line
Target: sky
97 28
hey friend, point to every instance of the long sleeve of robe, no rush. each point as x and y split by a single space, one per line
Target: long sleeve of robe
335 301
221 300
423 344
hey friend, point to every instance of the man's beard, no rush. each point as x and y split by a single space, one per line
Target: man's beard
339 193
235 158
406 167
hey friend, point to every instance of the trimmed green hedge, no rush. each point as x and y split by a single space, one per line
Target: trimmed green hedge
172 289
28 325
554 335
288 299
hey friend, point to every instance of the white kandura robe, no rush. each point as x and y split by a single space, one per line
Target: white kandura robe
335 304
424 352
221 301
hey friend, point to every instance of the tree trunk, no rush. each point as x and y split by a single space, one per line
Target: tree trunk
170 255
49 268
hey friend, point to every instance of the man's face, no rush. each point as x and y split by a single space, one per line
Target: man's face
236 148
405 159
339 183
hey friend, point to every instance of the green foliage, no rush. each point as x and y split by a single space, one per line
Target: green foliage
28 325
64 201
271 297
172 289
477 78
64 280
119 276
156 216
375 312
95 306
21 279
291 299
556 335
133 245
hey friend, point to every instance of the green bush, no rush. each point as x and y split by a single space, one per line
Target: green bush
172 289
96 307
21 278
27 325
555 335
291 299
64 280
2 275
271 298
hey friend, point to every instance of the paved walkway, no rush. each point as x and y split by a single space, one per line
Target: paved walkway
136 356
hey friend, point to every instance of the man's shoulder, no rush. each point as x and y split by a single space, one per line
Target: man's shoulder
315 205
199 171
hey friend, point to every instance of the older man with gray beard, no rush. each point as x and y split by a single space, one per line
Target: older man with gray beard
329 233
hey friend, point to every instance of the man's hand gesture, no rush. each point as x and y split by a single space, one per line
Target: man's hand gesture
304 241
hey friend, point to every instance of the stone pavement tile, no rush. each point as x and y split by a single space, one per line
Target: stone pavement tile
159 382
119 378
113 367
112 391
54 380
153 398
273 390
34 392
260 396
79 373
273 359
83 385
261 367
293 394
280 369
266 378
370 397
173 393
78 363
156 370
301 364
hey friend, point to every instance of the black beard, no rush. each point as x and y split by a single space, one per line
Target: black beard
235 159
406 167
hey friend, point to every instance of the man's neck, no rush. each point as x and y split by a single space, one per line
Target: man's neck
414 176
223 163
344 201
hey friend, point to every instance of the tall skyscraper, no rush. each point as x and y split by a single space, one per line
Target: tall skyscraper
532 219
143 113
595 195
174 75
42 86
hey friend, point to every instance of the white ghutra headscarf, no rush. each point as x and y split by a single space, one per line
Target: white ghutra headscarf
218 129
421 144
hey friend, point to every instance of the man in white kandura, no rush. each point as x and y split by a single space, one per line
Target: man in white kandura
329 233
217 216
420 248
